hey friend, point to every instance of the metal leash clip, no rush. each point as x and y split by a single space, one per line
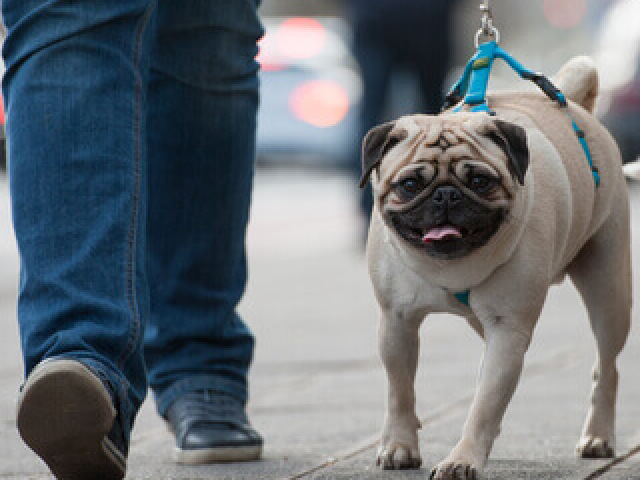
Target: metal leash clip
488 32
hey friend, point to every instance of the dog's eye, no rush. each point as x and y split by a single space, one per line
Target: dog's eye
481 183
408 188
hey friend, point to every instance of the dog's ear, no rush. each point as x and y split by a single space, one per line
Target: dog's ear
373 147
512 139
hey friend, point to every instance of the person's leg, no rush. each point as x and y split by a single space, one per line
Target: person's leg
430 60
376 66
74 89
203 98
430 52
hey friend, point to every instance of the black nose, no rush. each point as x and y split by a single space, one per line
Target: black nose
446 195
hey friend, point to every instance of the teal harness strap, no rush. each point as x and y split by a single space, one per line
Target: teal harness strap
463 297
471 90
587 151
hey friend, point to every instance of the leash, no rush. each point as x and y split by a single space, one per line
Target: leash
471 89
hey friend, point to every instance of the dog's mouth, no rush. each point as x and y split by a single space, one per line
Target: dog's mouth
445 240
442 233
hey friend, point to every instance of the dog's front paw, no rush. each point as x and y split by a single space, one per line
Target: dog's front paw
460 464
397 456
455 471
591 446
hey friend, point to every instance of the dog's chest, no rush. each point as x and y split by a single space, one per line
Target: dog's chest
405 288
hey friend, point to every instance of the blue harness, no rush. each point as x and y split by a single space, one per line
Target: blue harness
471 90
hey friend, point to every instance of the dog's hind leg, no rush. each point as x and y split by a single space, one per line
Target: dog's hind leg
398 341
602 275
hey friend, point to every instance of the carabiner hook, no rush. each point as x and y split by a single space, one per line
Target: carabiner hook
487 30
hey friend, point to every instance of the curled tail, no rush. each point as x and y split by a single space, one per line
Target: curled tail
578 80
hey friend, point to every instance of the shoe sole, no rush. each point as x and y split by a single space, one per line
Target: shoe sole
64 415
217 455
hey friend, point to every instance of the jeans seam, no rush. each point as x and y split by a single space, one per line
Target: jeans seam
132 232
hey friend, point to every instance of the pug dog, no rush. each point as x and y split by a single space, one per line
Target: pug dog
478 215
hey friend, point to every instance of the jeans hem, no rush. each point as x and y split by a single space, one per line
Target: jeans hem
216 383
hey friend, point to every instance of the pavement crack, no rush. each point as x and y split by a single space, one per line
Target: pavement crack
616 461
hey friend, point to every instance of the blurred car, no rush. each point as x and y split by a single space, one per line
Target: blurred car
310 92
617 54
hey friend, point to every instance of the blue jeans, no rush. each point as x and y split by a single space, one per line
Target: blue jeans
130 128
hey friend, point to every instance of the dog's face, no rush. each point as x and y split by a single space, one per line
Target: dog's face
445 184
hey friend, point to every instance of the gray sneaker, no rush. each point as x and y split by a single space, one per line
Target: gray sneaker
66 416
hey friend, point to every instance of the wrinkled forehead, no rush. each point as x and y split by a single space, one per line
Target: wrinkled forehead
434 125
442 139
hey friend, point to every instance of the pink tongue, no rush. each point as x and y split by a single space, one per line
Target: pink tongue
439 233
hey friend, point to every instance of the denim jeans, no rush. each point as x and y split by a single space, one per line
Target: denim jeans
130 128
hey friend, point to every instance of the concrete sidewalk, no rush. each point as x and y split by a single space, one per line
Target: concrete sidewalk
317 386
